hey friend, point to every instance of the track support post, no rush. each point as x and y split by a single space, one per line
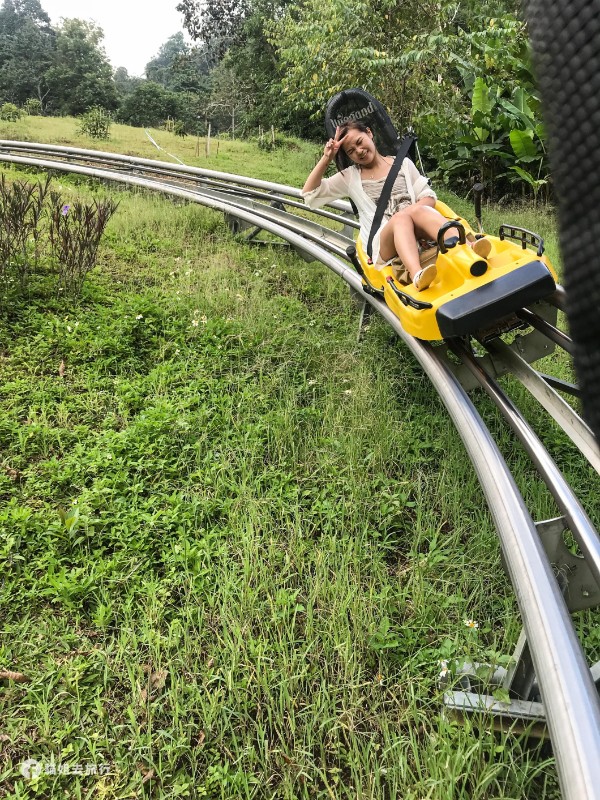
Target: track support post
525 711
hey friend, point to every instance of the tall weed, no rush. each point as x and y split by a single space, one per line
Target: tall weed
21 208
74 233
42 234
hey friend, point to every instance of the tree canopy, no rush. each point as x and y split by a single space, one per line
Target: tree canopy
27 44
80 76
178 67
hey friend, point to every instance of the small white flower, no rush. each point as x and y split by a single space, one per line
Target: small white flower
203 319
109 456
258 273
140 316
312 323
69 328
195 323
177 352
312 382
470 623
348 391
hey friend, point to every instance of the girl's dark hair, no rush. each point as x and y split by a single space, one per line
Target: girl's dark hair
342 159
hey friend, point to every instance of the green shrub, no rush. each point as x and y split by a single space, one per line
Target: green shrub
96 123
33 107
179 128
10 113
276 141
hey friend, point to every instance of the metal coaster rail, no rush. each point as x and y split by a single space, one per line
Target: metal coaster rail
550 655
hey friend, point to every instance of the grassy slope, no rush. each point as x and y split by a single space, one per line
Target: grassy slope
227 156
278 534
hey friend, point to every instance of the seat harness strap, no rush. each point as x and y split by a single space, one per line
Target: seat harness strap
401 152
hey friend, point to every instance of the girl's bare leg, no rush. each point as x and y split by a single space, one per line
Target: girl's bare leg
399 236
398 239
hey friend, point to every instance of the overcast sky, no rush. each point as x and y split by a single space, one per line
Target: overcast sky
134 30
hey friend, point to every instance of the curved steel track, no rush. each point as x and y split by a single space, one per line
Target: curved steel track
549 581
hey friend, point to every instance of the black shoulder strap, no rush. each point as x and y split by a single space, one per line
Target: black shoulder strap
403 147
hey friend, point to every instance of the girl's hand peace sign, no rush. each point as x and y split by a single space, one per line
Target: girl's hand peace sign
333 145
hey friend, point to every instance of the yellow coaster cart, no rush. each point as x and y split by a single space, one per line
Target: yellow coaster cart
469 294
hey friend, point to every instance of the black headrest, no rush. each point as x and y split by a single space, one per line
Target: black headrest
356 104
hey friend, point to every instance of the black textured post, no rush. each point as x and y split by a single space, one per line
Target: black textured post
565 35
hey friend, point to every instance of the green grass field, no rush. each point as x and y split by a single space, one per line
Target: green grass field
235 545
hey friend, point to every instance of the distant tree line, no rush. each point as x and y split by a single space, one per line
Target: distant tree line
64 71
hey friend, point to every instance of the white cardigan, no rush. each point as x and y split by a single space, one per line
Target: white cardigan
347 183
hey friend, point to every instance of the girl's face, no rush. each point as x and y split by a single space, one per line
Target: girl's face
360 147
